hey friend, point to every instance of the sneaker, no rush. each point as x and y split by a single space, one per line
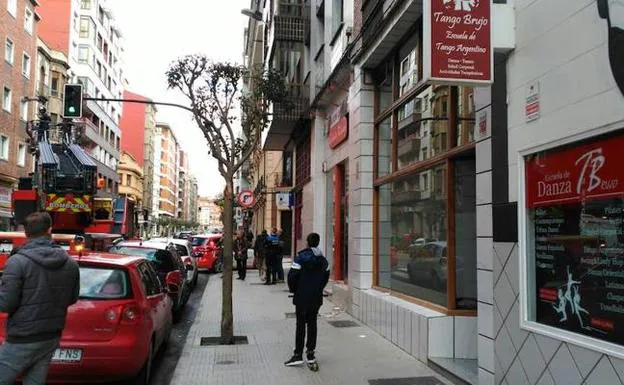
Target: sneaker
310 357
294 360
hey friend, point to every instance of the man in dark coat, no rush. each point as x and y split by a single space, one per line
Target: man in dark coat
307 278
240 254
260 253
39 283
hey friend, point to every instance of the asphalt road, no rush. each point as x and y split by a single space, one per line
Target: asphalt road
165 362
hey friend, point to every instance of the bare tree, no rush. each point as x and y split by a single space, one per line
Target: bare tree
218 102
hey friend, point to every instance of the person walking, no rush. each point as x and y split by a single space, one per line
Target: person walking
39 283
273 250
279 264
240 254
260 253
307 278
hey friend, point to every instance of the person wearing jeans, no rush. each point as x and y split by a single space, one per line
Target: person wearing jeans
307 278
39 283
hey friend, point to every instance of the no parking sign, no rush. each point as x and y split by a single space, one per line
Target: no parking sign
246 199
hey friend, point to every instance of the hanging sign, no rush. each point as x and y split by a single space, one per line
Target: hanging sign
339 132
246 199
458 42
283 201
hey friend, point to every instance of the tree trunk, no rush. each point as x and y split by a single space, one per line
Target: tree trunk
227 315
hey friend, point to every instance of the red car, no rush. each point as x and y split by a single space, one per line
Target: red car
208 252
122 318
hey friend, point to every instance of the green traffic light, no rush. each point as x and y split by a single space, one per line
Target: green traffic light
72 110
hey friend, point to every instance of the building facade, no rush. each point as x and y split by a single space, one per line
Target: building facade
181 192
19 25
165 186
86 33
209 214
191 204
131 178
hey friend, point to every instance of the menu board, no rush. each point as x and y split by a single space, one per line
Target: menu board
576 238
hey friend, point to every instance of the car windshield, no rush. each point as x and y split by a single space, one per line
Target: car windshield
198 241
103 283
138 251
181 249
6 246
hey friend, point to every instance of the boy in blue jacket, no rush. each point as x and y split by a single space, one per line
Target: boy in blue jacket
307 278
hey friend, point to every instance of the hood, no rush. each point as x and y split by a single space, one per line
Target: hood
313 258
44 252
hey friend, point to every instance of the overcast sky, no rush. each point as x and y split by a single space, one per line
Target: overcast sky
158 31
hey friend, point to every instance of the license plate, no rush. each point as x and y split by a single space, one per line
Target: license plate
67 355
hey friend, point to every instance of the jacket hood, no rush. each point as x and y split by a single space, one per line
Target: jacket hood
313 258
44 252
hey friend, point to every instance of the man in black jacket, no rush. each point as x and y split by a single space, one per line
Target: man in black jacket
39 283
307 278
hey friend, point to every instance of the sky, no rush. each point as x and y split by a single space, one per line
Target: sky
155 33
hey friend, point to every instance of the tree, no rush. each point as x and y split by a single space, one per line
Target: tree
215 93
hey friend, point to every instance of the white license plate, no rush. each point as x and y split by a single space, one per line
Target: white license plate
67 355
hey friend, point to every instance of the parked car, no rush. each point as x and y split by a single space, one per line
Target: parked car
122 318
165 259
185 251
208 252
12 239
428 264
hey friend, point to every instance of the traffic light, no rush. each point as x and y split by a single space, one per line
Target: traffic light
72 101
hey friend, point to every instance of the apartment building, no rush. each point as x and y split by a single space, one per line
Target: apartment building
130 178
191 213
52 75
19 25
138 128
209 214
165 188
85 31
182 196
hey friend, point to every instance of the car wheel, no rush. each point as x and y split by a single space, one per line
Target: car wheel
195 279
144 376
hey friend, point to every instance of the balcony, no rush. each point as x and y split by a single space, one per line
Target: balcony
291 22
286 117
92 137
409 146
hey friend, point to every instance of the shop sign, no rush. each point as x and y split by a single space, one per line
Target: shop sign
5 196
532 103
576 237
284 201
458 42
246 199
586 171
339 132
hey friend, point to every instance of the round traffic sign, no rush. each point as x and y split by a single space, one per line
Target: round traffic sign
246 198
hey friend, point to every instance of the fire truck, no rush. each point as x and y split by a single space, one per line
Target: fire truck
65 184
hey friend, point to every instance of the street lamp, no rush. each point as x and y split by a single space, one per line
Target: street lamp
256 15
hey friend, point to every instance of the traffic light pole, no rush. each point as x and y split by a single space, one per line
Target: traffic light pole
151 102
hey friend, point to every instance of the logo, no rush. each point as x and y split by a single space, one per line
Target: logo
613 12
461 5
594 160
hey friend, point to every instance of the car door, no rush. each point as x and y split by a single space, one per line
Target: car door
156 298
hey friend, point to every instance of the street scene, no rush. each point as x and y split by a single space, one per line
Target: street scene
348 192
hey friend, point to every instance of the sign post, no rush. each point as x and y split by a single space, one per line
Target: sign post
458 42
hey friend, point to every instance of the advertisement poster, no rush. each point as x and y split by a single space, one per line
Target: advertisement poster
576 237
458 42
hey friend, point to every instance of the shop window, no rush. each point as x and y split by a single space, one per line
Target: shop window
383 80
384 148
574 242
409 68
465 233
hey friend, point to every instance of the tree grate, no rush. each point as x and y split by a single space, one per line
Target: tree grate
225 362
216 341
428 380
343 324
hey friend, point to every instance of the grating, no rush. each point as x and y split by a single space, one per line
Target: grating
291 315
406 381
225 362
343 324
216 341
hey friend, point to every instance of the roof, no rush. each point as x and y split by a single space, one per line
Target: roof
109 259
207 236
144 244
183 242
21 234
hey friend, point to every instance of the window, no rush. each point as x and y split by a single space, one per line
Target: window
85 26
8 51
337 16
83 54
12 7
573 235
54 86
303 162
104 283
23 111
7 99
425 193
21 154
85 4
26 65
129 180
29 20
4 147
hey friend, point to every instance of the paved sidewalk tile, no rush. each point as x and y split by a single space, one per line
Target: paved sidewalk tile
351 355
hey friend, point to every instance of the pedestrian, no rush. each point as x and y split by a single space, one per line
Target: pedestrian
280 258
260 253
273 247
39 283
250 237
240 254
307 278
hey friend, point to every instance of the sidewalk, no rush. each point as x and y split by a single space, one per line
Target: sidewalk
351 355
